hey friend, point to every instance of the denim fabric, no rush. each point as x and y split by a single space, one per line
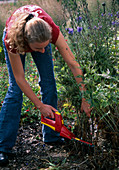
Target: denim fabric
11 108
48 87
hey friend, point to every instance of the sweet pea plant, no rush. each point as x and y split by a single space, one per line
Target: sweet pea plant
94 41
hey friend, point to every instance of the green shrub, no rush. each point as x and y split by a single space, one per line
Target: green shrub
95 46
2 56
94 41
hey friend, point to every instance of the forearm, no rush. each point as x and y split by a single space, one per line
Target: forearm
46 110
75 68
27 90
70 60
78 75
19 75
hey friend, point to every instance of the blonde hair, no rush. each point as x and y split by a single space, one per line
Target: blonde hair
23 32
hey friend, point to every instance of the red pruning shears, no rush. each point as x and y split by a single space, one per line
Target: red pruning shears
58 126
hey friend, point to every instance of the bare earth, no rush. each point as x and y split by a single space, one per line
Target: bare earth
30 153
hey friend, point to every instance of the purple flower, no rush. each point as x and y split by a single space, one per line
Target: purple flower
70 31
95 27
102 14
117 14
100 27
115 23
110 14
79 29
79 18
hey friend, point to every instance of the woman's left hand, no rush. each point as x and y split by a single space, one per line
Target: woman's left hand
85 106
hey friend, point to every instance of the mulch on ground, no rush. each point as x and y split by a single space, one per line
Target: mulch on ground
30 153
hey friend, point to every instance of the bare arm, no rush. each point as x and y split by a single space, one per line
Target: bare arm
70 59
19 75
75 68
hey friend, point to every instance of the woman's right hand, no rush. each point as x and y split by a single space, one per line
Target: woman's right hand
47 110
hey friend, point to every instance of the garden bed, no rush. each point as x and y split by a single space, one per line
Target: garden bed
30 153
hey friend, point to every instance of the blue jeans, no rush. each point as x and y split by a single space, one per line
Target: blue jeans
11 108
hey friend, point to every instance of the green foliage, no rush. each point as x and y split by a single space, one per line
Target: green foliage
3 82
95 46
2 56
94 42
69 89
29 112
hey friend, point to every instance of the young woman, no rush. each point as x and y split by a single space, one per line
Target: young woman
31 29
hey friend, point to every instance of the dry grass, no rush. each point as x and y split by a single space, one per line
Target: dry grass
92 3
52 7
